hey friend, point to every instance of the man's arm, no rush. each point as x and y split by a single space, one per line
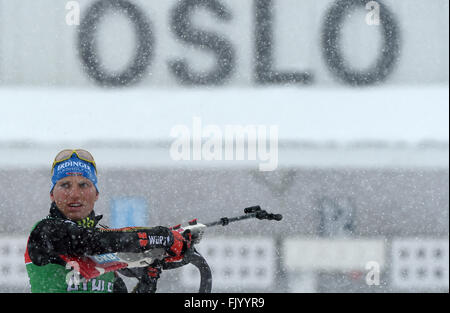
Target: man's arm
53 237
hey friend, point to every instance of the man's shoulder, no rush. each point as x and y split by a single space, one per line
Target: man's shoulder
50 222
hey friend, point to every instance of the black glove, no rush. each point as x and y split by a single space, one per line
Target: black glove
182 242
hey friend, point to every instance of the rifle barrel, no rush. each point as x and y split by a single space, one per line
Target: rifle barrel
226 220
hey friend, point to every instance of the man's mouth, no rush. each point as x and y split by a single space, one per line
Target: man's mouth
75 205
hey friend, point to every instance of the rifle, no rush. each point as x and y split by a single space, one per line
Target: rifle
93 266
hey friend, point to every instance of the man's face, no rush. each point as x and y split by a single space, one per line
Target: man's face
75 196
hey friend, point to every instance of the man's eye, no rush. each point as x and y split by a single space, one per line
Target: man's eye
65 185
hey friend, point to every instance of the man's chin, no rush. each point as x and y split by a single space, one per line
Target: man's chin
76 215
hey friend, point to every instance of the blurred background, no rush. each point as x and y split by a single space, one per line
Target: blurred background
357 91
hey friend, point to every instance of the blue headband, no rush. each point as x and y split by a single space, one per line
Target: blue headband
74 167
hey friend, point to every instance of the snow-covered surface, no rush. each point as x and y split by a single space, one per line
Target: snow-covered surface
409 114
317 127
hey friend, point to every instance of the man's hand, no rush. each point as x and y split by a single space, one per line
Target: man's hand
181 243
197 230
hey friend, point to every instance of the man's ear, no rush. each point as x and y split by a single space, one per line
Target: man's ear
96 196
51 196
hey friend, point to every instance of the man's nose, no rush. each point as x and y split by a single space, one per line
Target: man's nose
75 192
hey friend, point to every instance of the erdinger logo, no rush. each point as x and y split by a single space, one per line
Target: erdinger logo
75 164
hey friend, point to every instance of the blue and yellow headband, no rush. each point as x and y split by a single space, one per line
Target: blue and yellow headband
74 166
